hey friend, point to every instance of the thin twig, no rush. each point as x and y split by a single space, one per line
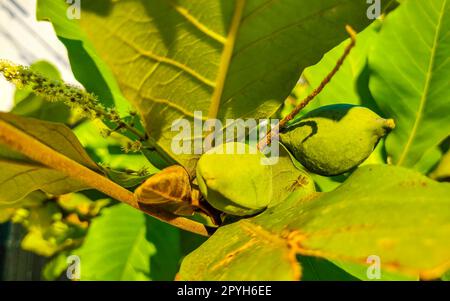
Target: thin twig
133 130
37 151
72 96
274 131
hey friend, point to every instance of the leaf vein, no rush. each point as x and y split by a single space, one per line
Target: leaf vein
423 99
196 23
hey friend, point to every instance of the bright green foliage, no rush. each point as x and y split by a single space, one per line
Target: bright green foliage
127 179
394 213
29 104
124 244
81 205
442 171
20 172
80 101
288 176
235 181
169 190
32 200
48 231
317 269
410 76
350 85
87 66
446 276
30 177
53 224
334 139
128 170
108 150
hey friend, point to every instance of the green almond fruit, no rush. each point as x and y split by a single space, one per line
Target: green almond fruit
332 140
235 183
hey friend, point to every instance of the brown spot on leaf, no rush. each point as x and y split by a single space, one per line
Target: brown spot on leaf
233 254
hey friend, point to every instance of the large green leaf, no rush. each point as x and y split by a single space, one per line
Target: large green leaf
442 171
124 244
410 77
227 59
387 211
55 266
350 84
316 269
87 66
31 105
21 176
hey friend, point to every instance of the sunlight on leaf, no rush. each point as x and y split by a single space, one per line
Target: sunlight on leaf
20 175
124 244
394 213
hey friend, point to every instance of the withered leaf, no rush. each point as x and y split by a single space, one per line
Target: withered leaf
169 189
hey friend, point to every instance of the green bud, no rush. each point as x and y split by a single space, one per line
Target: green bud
333 139
237 184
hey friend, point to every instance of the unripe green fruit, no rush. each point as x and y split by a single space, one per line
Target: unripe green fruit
334 139
237 184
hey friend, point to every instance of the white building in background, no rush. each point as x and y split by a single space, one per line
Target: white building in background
24 40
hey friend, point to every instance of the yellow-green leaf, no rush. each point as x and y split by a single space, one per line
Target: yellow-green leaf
170 189
442 171
88 68
226 59
21 176
386 211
